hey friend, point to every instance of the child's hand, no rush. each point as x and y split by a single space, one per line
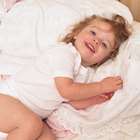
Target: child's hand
111 84
107 95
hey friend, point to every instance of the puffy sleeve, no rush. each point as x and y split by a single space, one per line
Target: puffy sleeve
64 61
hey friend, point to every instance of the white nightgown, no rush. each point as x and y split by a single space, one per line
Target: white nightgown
34 84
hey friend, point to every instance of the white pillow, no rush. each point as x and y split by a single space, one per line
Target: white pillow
31 26
103 8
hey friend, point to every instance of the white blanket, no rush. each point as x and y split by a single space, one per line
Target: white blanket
32 25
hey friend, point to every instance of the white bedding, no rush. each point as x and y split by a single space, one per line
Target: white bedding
41 22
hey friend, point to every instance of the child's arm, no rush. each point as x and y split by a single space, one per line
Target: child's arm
85 103
78 91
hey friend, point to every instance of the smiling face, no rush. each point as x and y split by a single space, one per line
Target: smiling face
95 42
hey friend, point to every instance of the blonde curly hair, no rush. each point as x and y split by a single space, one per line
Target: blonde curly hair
119 26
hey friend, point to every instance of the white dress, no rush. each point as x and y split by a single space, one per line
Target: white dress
34 84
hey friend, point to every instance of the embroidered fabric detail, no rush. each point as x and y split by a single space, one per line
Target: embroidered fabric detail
75 128
65 123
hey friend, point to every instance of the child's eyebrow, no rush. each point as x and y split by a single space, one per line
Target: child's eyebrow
99 29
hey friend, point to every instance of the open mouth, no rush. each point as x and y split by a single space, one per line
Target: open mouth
90 47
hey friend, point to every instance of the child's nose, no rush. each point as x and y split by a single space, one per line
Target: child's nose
96 42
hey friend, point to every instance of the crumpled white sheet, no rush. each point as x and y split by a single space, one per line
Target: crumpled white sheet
7 4
28 29
32 25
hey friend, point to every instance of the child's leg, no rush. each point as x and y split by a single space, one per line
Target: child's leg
18 121
46 134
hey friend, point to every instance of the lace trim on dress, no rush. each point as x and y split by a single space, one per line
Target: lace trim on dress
75 128
65 123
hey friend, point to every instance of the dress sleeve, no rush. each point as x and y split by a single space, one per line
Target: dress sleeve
64 60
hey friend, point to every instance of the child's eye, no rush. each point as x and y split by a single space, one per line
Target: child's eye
93 33
104 45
